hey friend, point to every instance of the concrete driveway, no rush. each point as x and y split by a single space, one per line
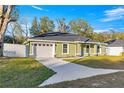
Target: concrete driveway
66 71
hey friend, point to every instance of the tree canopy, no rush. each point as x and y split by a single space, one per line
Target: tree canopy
81 27
45 25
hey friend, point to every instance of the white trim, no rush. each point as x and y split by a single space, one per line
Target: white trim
32 50
53 49
94 50
31 47
67 48
100 51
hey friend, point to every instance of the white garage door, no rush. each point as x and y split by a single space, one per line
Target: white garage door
45 50
114 51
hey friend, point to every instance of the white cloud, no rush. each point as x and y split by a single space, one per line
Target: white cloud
107 19
38 8
101 30
113 14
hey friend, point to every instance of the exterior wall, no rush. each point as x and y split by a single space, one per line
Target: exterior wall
30 48
59 53
103 49
114 51
78 49
75 49
15 50
93 50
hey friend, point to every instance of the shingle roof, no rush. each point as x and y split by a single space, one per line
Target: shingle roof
116 43
59 36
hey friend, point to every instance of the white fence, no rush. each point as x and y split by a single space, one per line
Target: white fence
15 50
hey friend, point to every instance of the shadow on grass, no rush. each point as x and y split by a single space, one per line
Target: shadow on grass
98 62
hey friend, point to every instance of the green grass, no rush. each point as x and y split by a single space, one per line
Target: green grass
115 80
22 72
111 62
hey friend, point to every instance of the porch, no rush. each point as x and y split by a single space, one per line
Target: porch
84 49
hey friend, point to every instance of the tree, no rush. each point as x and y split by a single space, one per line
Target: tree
46 25
11 32
6 16
24 26
35 28
17 31
19 35
8 39
62 27
81 27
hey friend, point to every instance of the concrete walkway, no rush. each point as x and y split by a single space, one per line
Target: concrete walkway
66 71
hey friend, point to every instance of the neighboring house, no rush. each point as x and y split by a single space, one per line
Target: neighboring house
57 44
115 47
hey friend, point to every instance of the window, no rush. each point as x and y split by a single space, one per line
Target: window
87 48
35 44
65 48
39 44
43 44
98 49
47 44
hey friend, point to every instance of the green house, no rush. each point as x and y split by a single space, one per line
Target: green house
58 44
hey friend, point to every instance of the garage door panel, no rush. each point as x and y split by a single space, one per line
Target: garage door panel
46 50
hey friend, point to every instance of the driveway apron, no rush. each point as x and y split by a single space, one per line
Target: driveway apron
67 71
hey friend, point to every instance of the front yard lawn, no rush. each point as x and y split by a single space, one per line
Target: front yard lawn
22 72
110 62
115 80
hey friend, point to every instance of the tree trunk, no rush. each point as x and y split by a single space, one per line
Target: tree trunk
3 29
1 45
4 20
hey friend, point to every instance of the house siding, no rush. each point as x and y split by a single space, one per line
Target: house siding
93 50
59 53
30 47
103 50
75 49
78 49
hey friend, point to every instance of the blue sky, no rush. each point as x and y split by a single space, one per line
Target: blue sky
100 17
